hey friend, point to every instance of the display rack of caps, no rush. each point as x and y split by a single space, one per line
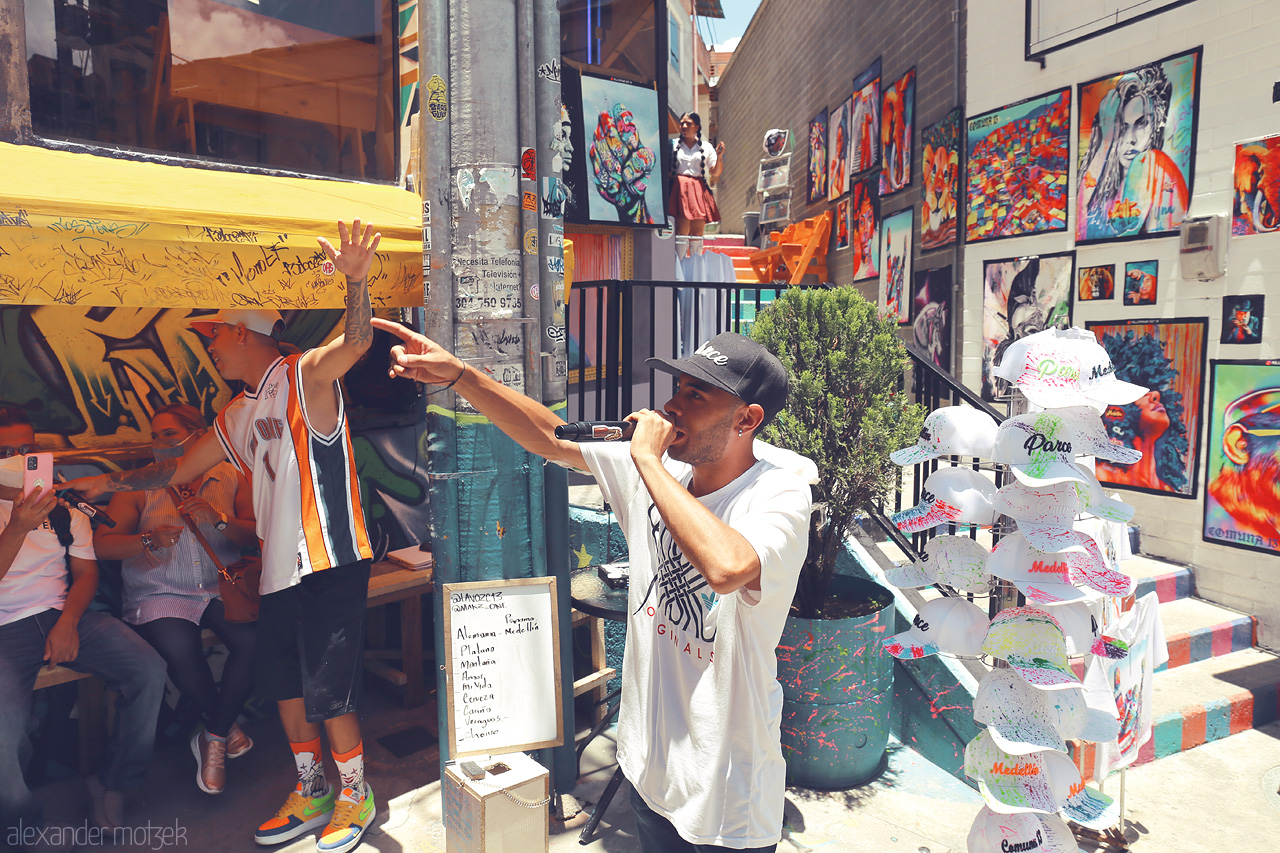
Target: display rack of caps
1032 708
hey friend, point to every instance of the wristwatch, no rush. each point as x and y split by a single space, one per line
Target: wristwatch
221 523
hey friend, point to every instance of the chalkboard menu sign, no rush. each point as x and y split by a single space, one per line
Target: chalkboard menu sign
502 666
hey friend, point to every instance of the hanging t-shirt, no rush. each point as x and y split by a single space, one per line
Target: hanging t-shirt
699 727
1127 682
689 159
37 580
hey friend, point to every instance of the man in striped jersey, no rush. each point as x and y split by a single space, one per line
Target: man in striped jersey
287 431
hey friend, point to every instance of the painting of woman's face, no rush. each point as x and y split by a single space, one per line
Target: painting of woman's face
1153 420
1135 130
865 223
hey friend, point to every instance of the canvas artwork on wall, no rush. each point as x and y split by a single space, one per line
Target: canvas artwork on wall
1136 142
1241 502
818 157
931 314
1096 283
1016 172
838 152
1141 280
1021 296
897 130
622 136
864 227
864 127
1256 208
842 224
1242 319
1167 357
895 254
940 181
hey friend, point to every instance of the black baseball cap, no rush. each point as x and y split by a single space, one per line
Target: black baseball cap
737 364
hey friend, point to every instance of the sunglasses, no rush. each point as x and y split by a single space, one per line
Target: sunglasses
20 450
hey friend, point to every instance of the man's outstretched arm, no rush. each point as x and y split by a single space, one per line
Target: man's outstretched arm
204 454
526 421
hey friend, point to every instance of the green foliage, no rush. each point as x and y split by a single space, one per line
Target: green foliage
846 412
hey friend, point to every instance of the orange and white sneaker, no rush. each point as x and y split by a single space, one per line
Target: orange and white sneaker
350 819
298 815
238 743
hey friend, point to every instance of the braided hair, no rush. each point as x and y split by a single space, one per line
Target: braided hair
702 152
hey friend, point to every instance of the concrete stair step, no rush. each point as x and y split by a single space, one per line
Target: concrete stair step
1206 701
1169 580
1197 630
724 240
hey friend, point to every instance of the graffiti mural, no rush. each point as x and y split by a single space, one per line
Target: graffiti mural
897 131
1167 357
1136 143
940 176
1021 296
1256 209
1242 493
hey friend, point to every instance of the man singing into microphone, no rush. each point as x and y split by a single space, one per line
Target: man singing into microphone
716 538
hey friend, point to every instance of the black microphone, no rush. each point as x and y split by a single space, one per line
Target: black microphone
78 501
596 431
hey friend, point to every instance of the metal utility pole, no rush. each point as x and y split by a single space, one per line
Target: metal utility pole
488 279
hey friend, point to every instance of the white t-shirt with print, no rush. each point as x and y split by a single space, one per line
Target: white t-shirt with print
698 731
689 159
37 580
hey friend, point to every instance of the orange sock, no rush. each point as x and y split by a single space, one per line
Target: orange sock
351 770
306 756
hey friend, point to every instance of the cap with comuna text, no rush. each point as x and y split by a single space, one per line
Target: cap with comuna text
260 320
1001 833
737 364
951 431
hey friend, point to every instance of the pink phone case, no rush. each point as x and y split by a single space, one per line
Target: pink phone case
37 473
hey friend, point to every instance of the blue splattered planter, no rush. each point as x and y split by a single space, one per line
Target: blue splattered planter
837 684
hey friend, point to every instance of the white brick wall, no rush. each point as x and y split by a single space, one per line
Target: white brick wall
1241 62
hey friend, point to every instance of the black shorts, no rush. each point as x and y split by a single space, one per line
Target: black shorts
311 641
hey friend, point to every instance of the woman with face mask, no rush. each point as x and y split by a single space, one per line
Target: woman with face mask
171 585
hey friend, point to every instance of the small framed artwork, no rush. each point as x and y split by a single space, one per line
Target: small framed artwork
842 224
775 209
1140 280
774 176
1096 283
895 255
1242 319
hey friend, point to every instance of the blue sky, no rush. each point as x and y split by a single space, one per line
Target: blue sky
737 15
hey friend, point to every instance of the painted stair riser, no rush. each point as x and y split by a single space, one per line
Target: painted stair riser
1215 641
1196 725
1168 587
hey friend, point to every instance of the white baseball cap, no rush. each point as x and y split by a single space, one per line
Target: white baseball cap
1065 367
1009 783
951 431
1045 514
1032 642
957 561
1089 435
1039 447
1098 381
999 833
1079 803
948 624
1058 576
1096 503
1098 724
260 320
1022 719
955 495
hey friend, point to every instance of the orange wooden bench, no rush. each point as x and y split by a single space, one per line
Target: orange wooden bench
800 249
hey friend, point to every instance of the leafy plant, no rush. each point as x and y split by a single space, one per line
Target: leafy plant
846 412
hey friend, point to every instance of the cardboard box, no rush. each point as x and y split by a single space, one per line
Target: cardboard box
505 812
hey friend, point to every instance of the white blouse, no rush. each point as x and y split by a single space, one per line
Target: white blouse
689 159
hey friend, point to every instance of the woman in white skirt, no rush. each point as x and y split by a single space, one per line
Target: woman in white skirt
693 162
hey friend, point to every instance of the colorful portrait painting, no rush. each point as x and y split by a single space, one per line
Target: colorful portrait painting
1141 279
940 181
864 127
1256 208
1096 283
623 171
1136 143
1242 319
1021 296
818 157
1242 477
1016 172
1166 357
842 224
838 152
931 314
897 130
895 255
864 227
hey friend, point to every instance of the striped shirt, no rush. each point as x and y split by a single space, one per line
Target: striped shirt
184 580
305 490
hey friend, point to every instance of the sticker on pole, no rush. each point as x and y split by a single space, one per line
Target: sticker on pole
437 98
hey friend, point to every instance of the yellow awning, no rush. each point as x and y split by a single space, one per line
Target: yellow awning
80 229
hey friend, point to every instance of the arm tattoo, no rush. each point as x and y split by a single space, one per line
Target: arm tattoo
154 476
358 331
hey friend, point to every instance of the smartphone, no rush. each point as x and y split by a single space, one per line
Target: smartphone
37 473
